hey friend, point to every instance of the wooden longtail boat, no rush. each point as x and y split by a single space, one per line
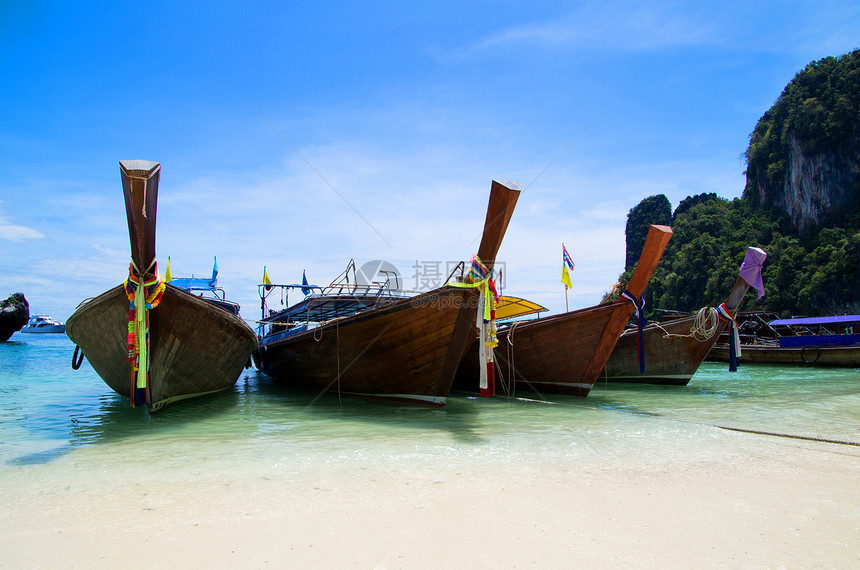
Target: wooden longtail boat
565 353
675 348
194 348
399 349
810 341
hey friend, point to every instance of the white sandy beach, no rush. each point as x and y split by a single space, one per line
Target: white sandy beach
781 503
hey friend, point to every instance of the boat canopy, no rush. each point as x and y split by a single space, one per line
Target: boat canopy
194 283
189 283
511 307
809 321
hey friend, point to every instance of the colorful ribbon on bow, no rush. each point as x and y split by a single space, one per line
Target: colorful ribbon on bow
141 301
477 271
641 322
479 277
734 336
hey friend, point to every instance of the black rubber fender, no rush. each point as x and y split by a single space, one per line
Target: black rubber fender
817 354
77 358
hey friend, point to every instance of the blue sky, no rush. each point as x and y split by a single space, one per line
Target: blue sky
300 135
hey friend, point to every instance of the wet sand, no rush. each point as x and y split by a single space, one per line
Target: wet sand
781 503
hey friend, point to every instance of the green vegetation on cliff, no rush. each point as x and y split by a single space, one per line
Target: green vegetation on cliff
811 272
809 275
820 109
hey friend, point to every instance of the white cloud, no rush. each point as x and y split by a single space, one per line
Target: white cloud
12 232
616 26
810 31
18 233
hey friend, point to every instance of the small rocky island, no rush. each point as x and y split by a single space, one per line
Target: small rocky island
14 314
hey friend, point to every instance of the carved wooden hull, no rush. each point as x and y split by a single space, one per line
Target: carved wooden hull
407 351
195 347
844 356
670 361
672 355
562 354
566 353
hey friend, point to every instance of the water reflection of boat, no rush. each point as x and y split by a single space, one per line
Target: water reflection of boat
43 324
149 340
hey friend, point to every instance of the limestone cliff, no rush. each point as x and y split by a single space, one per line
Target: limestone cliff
804 154
817 188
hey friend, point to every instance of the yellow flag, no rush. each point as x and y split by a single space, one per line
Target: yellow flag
266 280
565 276
167 276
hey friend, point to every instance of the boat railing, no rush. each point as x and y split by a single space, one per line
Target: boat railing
266 289
374 289
341 284
217 292
459 268
343 296
388 275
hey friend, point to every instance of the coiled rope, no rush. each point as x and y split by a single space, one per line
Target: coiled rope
704 327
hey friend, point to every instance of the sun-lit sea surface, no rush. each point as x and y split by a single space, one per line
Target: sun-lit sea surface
51 415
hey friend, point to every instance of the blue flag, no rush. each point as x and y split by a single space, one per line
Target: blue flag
215 270
305 288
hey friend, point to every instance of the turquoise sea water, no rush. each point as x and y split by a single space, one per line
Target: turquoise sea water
50 413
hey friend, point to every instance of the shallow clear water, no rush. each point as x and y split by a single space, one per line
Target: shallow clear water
50 413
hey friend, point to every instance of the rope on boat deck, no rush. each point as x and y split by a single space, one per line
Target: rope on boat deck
704 326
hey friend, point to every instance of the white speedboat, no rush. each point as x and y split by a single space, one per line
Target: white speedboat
43 324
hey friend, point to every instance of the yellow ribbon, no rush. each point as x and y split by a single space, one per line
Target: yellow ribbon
141 333
485 290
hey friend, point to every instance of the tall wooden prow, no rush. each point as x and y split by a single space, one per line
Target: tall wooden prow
503 199
140 188
655 243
